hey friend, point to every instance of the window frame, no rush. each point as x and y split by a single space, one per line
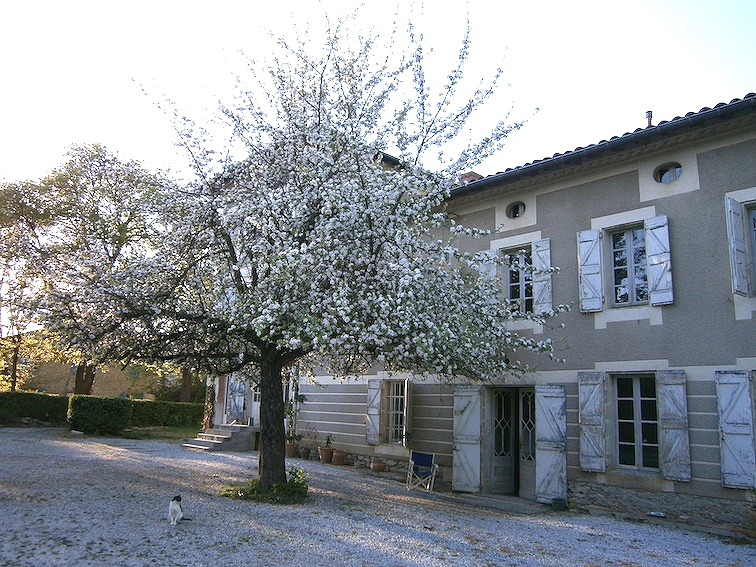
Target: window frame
631 265
523 270
637 422
596 262
394 410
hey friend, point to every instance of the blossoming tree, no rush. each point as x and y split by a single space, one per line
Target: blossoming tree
329 240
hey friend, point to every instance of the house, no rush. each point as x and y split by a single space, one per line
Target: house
654 233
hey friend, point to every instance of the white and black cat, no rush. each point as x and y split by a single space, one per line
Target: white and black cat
175 512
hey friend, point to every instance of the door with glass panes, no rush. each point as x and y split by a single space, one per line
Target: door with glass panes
513 442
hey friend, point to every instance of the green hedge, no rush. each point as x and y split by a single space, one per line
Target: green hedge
145 413
95 414
44 407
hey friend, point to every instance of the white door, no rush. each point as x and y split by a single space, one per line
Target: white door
527 444
466 431
551 441
504 451
235 403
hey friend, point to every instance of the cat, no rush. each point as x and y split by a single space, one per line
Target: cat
175 513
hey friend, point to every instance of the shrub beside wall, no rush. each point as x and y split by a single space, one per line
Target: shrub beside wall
93 414
44 407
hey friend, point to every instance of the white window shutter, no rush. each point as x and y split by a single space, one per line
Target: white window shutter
592 419
589 271
372 423
674 442
490 269
407 409
736 438
551 442
736 240
541 255
659 261
466 433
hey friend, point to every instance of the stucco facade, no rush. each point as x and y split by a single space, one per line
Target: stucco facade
653 407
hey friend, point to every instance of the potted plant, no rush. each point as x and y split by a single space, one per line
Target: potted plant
291 409
292 443
325 452
339 457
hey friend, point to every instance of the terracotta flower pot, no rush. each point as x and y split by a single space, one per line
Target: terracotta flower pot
378 466
291 449
305 453
339 457
325 454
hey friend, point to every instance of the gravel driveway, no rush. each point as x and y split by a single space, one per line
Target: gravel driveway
87 501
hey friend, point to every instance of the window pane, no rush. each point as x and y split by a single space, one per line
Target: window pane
627 432
651 457
650 433
625 409
647 387
618 240
626 455
639 238
620 258
624 387
648 410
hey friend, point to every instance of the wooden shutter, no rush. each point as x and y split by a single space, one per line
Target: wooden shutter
674 443
736 239
466 431
658 261
541 254
592 419
551 443
407 410
589 271
736 438
372 422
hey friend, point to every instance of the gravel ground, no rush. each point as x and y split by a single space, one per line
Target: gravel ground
88 501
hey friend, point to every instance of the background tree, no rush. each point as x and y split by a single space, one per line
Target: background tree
317 245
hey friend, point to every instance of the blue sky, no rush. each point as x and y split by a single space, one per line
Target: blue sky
71 71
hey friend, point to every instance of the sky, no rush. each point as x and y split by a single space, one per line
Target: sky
76 72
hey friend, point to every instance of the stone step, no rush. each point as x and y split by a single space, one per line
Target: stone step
230 437
203 445
220 437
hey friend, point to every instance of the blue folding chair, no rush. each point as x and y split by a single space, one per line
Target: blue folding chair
422 471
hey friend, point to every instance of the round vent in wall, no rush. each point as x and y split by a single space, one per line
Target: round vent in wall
668 172
515 210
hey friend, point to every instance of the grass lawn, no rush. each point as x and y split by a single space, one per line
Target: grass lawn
159 432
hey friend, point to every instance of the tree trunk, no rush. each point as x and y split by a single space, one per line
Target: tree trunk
186 385
14 362
272 463
85 375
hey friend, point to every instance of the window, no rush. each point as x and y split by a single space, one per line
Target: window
388 411
741 232
396 411
639 270
519 278
752 224
515 210
626 426
668 172
256 394
629 266
637 422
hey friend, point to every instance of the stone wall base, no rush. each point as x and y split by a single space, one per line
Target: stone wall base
685 507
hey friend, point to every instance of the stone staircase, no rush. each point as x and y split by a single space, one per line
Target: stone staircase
230 437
